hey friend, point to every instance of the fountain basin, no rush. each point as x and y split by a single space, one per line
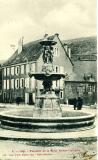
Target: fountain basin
23 120
43 76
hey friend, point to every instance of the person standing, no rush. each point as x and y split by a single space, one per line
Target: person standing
75 103
79 103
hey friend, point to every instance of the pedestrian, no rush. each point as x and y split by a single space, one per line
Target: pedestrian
17 100
75 103
79 103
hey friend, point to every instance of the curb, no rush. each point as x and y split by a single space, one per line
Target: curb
79 139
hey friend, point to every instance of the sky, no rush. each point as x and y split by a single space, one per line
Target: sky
31 19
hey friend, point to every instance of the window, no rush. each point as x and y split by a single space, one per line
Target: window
17 70
61 94
27 68
17 83
22 69
90 88
56 83
4 72
94 88
12 83
12 70
21 82
4 84
8 71
56 69
7 84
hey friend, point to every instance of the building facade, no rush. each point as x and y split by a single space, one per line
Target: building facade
28 59
76 60
84 83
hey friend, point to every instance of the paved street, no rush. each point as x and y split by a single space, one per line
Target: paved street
47 146
10 150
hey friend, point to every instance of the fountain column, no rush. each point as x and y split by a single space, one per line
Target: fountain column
47 104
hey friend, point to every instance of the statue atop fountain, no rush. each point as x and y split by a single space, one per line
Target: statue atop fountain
47 104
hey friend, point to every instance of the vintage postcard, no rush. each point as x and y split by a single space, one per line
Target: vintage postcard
48 80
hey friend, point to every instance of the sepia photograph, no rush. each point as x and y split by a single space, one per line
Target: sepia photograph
48 80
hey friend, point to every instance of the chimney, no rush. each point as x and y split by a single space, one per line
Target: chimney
46 35
57 34
20 45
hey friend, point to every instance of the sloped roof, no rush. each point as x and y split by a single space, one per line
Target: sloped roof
31 52
82 46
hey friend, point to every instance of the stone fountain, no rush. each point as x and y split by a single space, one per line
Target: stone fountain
47 104
47 115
